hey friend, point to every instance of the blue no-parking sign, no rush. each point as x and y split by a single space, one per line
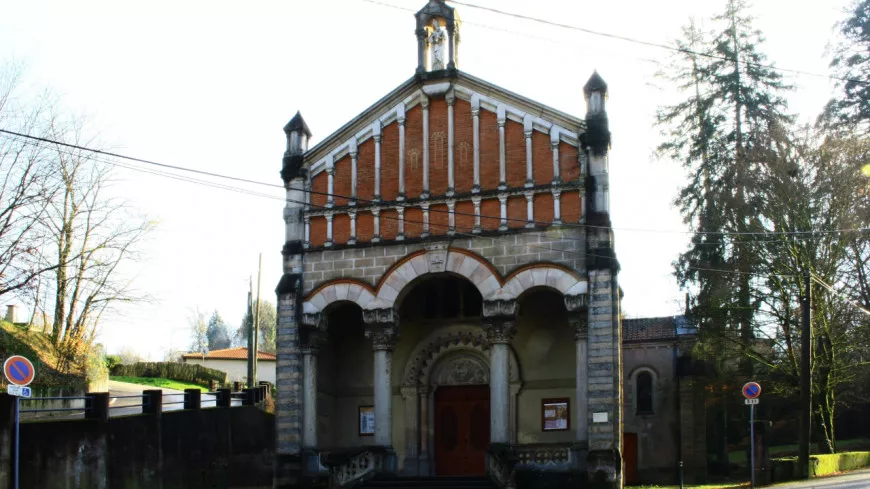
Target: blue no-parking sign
18 370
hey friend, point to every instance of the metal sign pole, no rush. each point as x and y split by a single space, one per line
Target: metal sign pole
752 443
17 422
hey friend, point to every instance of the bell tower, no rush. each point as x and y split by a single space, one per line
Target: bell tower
437 38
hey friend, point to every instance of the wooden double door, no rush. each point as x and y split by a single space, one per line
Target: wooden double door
461 429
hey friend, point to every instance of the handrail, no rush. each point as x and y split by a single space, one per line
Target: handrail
501 465
349 466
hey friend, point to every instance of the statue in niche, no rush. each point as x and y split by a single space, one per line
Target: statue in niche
437 40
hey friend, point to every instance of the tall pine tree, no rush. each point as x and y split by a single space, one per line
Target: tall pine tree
724 133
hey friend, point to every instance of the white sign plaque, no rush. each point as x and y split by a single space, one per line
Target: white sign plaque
599 417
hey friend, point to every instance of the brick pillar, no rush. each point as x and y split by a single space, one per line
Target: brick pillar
288 463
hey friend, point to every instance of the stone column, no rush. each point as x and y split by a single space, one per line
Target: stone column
557 206
476 201
352 239
328 242
400 119
354 162
530 208
381 328
425 207
579 322
330 172
500 326
554 145
424 430
503 225
409 395
309 397
377 137
528 131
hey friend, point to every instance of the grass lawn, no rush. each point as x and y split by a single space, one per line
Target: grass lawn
163 383
705 486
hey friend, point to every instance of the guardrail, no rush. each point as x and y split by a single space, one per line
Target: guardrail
98 405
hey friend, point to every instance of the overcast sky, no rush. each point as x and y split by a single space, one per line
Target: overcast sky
210 84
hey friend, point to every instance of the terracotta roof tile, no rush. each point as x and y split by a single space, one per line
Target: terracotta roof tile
240 353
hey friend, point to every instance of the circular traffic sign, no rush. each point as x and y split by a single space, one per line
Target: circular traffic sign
18 370
751 390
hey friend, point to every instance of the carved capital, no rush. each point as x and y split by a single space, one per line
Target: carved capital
424 102
310 350
382 327
577 302
500 330
383 337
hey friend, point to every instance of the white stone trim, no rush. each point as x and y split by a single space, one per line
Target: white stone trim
354 161
376 231
400 235
475 114
328 242
425 232
477 228
425 106
530 209
451 186
502 200
330 172
352 239
543 275
502 177
554 147
557 206
376 127
528 130
400 119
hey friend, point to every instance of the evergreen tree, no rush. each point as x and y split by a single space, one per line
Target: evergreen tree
850 109
725 133
218 333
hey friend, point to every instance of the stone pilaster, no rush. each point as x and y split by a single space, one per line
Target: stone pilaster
288 464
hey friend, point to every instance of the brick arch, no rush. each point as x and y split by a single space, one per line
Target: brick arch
549 275
338 290
460 262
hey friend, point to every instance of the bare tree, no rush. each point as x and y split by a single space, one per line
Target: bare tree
26 185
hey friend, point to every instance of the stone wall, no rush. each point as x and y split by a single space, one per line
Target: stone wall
508 252
219 447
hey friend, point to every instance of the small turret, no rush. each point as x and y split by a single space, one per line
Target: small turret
298 135
597 127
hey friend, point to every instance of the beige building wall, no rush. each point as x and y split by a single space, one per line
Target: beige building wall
237 370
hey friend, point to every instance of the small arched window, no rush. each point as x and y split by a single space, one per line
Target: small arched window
644 391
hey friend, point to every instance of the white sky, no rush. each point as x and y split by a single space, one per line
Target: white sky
210 84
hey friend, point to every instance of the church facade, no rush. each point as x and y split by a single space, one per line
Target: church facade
450 302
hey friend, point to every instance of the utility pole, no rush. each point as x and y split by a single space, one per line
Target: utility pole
806 393
256 343
250 324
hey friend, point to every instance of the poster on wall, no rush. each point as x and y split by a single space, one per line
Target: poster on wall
366 420
555 415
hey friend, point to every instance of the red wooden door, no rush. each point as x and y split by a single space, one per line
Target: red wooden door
461 430
629 457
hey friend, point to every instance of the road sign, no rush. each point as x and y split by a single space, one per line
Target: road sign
750 401
18 370
751 390
18 391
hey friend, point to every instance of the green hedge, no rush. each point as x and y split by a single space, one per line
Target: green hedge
184 372
786 469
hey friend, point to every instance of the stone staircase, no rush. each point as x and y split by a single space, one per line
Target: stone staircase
452 482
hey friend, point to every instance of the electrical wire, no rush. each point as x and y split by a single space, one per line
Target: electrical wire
546 248
647 43
842 295
23 137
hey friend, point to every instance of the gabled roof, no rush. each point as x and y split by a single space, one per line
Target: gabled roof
240 353
656 329
463 84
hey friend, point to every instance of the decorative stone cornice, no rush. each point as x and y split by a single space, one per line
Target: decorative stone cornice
498 308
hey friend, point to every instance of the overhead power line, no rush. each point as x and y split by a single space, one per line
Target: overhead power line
646 43
843 296
549 248
395 204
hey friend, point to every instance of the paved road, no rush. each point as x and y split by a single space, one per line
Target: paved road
172 399
854 480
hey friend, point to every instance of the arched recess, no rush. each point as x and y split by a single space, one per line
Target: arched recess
438 259
568 283
446 341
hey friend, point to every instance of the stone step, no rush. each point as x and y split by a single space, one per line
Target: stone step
457 482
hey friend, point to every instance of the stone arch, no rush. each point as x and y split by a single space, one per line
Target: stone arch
468 367
567 282
438 259
338 290
444 342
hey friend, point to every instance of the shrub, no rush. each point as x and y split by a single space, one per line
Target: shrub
112 361
183 372
786 469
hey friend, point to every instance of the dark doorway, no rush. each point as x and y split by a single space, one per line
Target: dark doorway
461 429
629 456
